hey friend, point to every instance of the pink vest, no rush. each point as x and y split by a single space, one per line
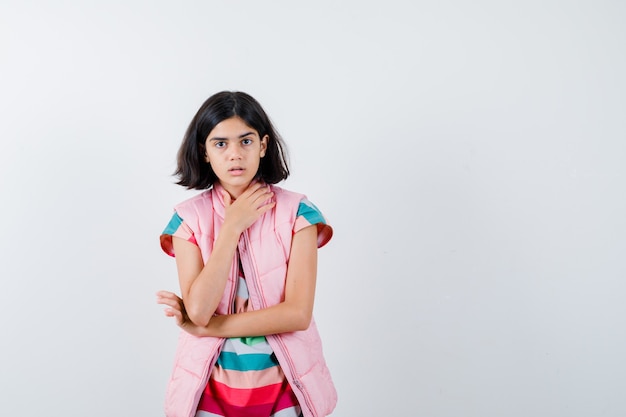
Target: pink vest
264 249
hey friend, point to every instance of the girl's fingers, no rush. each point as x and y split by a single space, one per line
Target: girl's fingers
170 303
173 313
166 295
176 315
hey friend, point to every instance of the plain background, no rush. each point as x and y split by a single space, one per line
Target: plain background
470 155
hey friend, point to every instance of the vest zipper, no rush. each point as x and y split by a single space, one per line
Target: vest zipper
294 378
276 338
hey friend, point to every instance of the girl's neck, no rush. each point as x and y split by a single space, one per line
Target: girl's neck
235 191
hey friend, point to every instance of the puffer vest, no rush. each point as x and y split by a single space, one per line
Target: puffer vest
264 250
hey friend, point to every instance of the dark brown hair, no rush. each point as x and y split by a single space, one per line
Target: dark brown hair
194 172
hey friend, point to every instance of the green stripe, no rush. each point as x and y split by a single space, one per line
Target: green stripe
251 341
310 213
173 225
247 362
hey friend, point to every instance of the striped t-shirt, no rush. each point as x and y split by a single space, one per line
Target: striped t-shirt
247 379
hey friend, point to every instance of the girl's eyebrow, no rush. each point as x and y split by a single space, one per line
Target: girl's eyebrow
240 136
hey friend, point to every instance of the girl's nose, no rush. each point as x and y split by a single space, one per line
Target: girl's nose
235 153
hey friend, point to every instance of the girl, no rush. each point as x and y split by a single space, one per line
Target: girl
246 255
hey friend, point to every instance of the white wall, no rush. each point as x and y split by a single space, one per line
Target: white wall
471 156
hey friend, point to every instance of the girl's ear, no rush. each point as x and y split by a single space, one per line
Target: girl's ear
264 141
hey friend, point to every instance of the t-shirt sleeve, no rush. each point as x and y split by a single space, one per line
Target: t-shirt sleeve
308 215
176 227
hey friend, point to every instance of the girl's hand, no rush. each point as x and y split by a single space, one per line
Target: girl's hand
176 308
248 207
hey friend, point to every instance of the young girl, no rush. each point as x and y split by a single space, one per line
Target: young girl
246 255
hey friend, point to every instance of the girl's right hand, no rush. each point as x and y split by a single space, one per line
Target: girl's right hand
174 307
248 207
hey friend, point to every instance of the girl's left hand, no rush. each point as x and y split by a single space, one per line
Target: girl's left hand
176 308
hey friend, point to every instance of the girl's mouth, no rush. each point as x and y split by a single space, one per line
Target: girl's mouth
236 171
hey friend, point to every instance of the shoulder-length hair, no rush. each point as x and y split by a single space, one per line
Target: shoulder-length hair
194 172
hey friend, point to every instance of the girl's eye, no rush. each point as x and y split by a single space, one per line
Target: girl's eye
220 144
246 141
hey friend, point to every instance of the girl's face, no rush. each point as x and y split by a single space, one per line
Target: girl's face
234 151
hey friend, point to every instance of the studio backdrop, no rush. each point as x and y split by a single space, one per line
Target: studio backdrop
469 155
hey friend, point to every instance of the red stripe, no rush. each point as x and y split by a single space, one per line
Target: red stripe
223 400
243 396
286 399
234 411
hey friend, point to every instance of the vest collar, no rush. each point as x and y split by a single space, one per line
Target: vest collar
218 199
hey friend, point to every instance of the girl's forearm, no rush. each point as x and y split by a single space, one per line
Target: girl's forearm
207 289
281 318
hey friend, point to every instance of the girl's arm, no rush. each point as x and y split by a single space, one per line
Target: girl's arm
202 285
293 314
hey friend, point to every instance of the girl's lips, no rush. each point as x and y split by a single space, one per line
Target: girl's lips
236 171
